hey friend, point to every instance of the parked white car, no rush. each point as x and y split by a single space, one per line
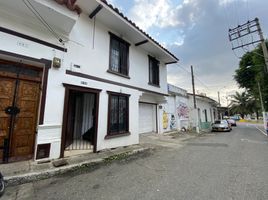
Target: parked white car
232 122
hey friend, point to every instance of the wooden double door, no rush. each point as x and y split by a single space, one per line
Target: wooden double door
19 102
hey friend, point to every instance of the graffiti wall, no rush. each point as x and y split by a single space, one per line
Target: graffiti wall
183 114
169 121
165 120
182 110
172 122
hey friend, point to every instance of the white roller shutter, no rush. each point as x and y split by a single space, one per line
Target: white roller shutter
147 118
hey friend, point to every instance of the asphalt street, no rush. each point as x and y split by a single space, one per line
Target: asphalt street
222 166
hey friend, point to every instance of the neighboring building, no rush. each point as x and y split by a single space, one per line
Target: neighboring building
206 112
178 111
75 82
175 112
222 111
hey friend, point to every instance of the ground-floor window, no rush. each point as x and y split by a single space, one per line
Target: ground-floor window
118 120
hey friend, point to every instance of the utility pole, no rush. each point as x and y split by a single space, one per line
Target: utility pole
192 72
263 45
194 98
263 110
259 88
228 108
219 99
245 29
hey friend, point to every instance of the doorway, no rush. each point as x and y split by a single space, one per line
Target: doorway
19 103
80 120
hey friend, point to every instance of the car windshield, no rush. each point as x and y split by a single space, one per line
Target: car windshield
220 122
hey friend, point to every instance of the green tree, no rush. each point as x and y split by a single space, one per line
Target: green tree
252 70
243 104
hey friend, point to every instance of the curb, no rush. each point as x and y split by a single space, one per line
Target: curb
44 174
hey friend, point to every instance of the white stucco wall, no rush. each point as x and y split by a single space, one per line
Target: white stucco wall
176 106
202 103
180 104
93 61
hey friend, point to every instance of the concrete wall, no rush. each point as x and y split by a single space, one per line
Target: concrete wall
202 104
185 116
174 114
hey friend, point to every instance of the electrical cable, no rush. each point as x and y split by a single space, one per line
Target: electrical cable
197 78
234 52
94 31
42 20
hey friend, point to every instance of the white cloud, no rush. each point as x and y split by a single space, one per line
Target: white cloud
224 2
196 31
166 14
116 4
148 13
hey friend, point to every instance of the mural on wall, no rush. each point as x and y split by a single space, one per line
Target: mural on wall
170 119
165 120
182 110
172 122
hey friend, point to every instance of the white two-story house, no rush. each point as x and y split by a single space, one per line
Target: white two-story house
75 77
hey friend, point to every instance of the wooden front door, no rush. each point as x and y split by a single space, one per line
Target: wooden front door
19 101
7 89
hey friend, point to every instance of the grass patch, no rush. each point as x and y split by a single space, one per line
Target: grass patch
251 121
120 156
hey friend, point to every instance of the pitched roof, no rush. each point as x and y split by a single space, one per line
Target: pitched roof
114 9
204 97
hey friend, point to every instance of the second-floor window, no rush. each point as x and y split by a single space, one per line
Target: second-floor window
118 55
153 71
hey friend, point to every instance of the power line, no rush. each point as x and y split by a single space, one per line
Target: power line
185 70
248 28
42 20
206 87
197 78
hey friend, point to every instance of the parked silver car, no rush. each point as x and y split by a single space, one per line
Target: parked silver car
221 125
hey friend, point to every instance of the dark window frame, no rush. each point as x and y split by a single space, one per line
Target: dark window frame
111 133
206 115
123 62
154 71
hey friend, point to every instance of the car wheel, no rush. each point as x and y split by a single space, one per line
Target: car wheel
2 187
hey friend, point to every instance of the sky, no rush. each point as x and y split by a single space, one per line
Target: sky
196 31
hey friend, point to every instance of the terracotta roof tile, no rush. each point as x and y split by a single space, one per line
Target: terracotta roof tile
135 26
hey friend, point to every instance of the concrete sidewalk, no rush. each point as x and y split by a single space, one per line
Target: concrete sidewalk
28 171
259 126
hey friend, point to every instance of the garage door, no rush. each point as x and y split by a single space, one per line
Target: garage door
147 118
